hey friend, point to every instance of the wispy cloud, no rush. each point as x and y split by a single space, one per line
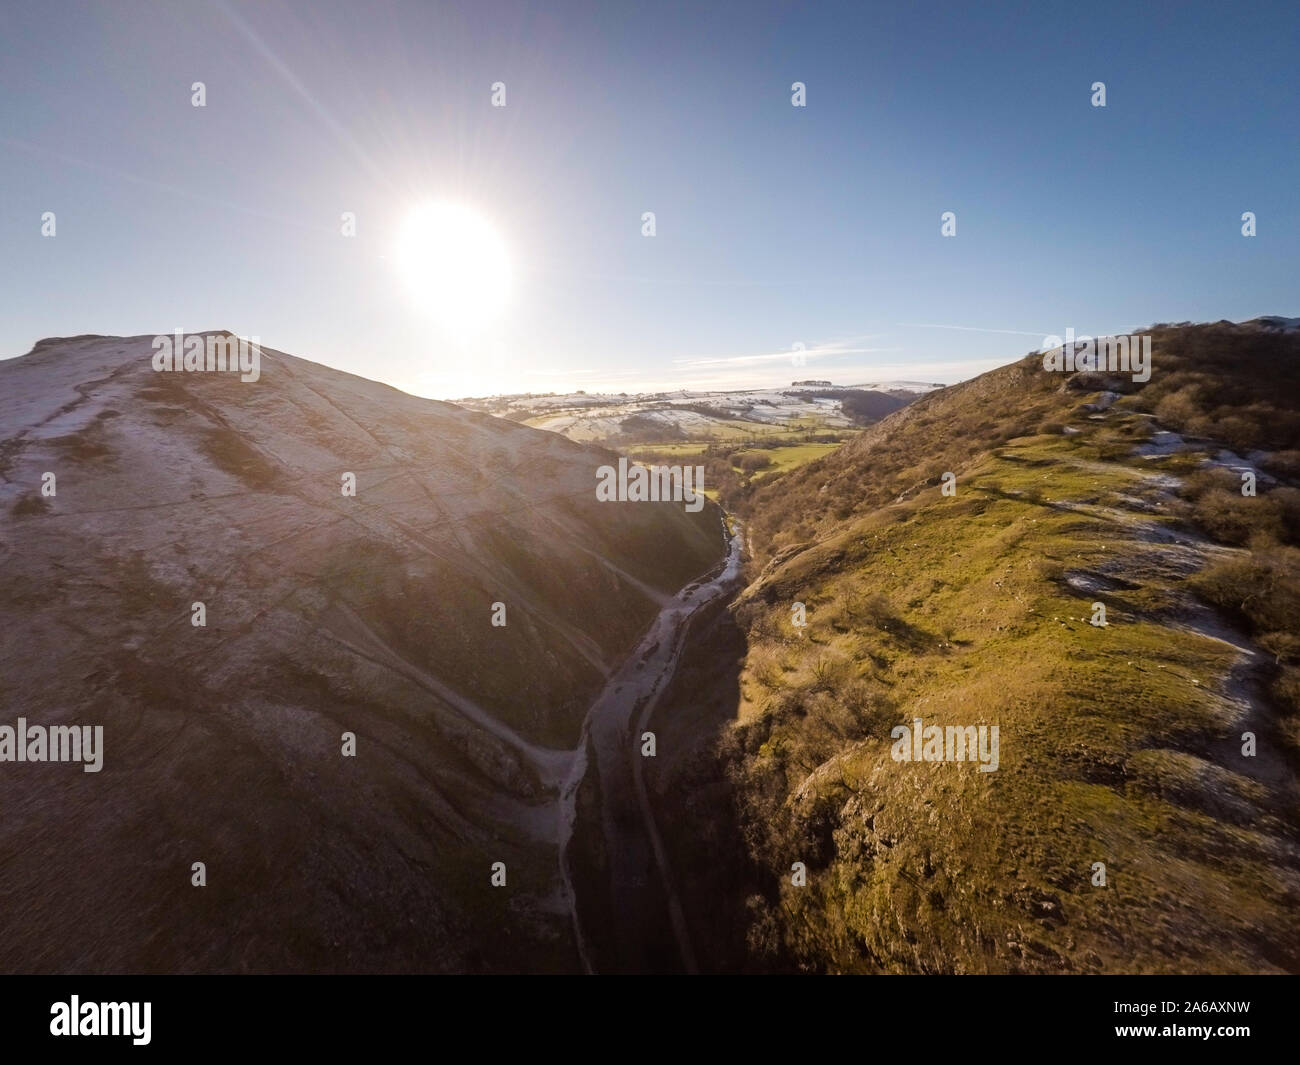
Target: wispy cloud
970 329
794 355
841 360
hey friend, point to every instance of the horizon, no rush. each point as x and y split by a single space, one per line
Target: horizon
883 378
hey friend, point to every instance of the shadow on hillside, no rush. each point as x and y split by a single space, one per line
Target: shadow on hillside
693 801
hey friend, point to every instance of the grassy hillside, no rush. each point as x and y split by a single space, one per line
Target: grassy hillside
1120 744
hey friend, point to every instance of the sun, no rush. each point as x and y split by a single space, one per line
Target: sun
455 264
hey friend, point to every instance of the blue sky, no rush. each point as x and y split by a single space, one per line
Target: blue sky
776 225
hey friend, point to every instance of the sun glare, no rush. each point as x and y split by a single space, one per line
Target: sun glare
455 264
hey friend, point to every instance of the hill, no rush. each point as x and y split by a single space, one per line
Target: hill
324 614
1142 815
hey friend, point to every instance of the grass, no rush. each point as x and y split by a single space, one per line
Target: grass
1117 744
720 431
783 457
787 458
655 452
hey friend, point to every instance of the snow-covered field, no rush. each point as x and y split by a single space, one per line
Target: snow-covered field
584 417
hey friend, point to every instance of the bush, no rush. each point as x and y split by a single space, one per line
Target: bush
751 461
1233 518
1262 589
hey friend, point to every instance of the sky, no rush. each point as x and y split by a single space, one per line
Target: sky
790 242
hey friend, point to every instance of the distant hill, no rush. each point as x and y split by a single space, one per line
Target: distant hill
676 417
866 407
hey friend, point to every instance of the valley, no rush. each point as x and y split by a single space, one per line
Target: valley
739 438
471 717
635 907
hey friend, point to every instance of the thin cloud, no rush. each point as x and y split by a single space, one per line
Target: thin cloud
970 329
824 350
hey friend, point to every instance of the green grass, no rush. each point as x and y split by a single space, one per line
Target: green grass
727 431
786 458
732 431
1116 745
648 452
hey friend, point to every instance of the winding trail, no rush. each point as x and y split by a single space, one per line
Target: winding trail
639 878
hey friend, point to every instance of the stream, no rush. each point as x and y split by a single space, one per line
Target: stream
639 877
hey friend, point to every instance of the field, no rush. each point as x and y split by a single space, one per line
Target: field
789 457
